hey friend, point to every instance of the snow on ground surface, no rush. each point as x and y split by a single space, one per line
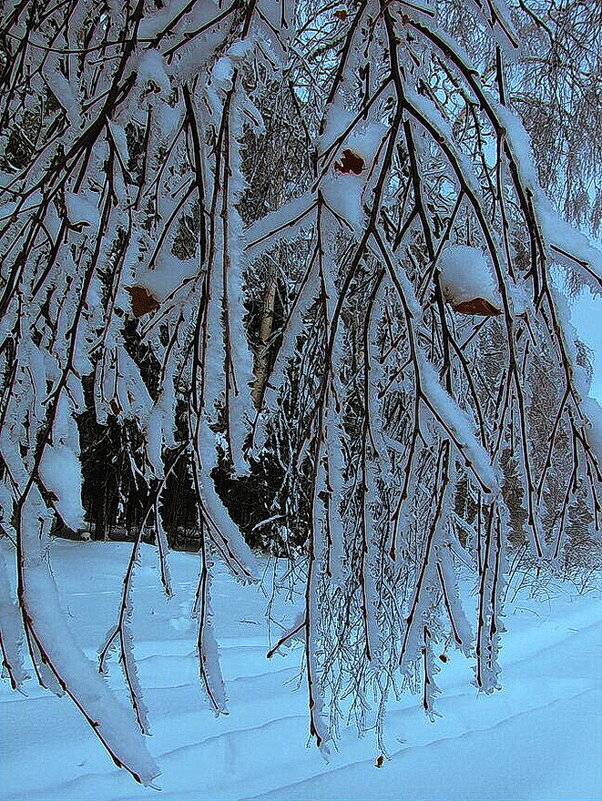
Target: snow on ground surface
539 739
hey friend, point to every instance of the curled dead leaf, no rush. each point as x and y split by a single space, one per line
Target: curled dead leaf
115 407
380 761
350 162
478 307
341 13
143 301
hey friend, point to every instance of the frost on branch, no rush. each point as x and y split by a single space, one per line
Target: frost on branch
292 265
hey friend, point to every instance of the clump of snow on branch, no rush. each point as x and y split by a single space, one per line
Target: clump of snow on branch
466 275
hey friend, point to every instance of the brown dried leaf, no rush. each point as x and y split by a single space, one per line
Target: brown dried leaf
478 307
341 13
115 407
143 301
350 162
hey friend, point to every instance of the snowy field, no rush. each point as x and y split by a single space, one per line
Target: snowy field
539 739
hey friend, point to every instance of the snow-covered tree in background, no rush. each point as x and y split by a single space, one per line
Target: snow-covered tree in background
168 167
554 85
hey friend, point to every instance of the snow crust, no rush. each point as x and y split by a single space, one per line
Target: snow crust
536 741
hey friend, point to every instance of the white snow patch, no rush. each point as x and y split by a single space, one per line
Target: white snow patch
534 741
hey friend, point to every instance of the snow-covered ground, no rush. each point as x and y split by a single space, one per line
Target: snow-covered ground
541 738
